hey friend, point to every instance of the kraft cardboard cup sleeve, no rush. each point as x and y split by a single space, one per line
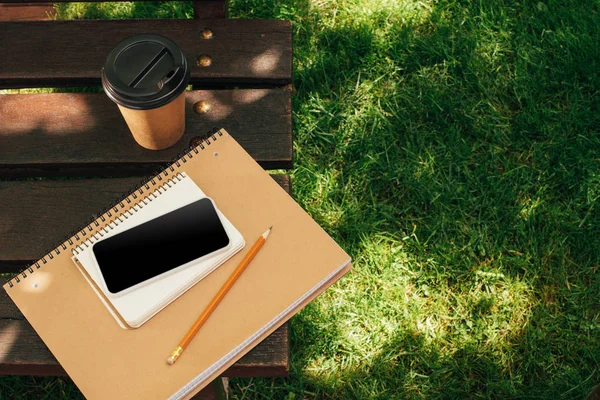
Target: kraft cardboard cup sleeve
146 75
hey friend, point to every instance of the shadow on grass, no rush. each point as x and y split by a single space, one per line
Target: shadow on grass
471 132
38 388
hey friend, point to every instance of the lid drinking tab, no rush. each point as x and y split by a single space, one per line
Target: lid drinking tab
145 71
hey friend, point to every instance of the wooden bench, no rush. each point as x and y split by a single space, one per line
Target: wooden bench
57 149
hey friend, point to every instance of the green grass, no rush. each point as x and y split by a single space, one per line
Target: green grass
453 149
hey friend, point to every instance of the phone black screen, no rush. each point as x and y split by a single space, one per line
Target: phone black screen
160 245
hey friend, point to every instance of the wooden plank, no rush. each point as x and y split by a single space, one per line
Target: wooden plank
26 11
217 390
84 134
60 53
210 9
22 352
8 309
69 1
36 215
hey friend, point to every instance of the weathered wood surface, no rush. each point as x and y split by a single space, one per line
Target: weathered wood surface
84 134
38 11
35 215
23 221
84 1
26 11
217 390
23 353
210 9
59 53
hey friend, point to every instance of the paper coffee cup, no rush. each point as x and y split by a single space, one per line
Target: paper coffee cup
146 75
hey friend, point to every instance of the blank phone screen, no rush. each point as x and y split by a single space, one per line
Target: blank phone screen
160 245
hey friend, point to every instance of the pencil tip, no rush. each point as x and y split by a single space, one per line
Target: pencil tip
266 234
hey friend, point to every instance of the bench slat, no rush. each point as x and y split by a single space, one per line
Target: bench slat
210 9
35 215
83 1
23 352
84 134
26 11
60 53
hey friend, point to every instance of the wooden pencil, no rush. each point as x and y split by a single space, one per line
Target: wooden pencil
218 297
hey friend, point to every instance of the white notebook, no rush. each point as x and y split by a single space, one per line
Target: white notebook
134 308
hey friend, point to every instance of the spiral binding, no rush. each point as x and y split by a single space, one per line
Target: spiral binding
81 237
112 224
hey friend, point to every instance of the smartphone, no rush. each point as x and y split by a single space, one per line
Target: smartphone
160 245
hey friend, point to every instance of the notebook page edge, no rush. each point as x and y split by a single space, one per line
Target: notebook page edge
271 326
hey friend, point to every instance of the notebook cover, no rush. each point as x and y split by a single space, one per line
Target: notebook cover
106 361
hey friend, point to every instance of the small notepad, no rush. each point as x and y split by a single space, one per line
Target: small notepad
131 310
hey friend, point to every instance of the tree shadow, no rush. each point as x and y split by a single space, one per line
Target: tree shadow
493 174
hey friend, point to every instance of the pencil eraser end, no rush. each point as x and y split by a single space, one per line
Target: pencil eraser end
174 355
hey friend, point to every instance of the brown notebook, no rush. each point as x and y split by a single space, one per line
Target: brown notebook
107 362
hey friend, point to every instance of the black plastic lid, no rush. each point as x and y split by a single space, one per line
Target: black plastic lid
145 71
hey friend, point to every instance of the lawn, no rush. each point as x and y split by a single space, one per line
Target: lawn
453 149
